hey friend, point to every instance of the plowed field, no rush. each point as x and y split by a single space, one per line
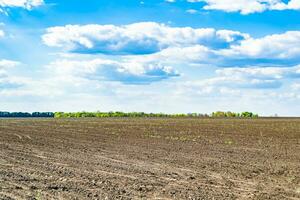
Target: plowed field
149 159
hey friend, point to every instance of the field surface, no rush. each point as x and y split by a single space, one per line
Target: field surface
149 159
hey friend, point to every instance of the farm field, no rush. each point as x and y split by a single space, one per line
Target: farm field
139 158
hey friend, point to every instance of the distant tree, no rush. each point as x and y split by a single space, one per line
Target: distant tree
218 114
221 114
26 114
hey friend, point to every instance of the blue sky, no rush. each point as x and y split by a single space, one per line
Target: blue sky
152 55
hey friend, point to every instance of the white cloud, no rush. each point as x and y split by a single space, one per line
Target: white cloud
177 55
277 46
234 84
145 53
153 44
2 33
6 64
109 70
7 81
191 11
236 79
295 87
271 50
27 4
148 38
249 6
261 72
138 38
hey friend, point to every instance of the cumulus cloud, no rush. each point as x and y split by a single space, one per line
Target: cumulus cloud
151 40
143 53
176 55
282 46
138 38
271 50
235 80
249 6
103 70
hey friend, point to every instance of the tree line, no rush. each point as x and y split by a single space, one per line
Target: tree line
122 114
26 114
218 114
221 114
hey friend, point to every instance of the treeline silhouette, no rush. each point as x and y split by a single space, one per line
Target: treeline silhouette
218 114
26 115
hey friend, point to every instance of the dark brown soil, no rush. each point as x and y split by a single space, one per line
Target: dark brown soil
149 159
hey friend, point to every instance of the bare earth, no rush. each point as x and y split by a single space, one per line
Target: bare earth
149 159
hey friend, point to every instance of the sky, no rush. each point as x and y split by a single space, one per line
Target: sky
172 56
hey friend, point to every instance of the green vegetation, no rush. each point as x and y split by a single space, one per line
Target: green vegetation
121 114
229 114
218 114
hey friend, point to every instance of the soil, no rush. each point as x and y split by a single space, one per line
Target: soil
149 159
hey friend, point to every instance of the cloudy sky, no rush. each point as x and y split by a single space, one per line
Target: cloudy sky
174 56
